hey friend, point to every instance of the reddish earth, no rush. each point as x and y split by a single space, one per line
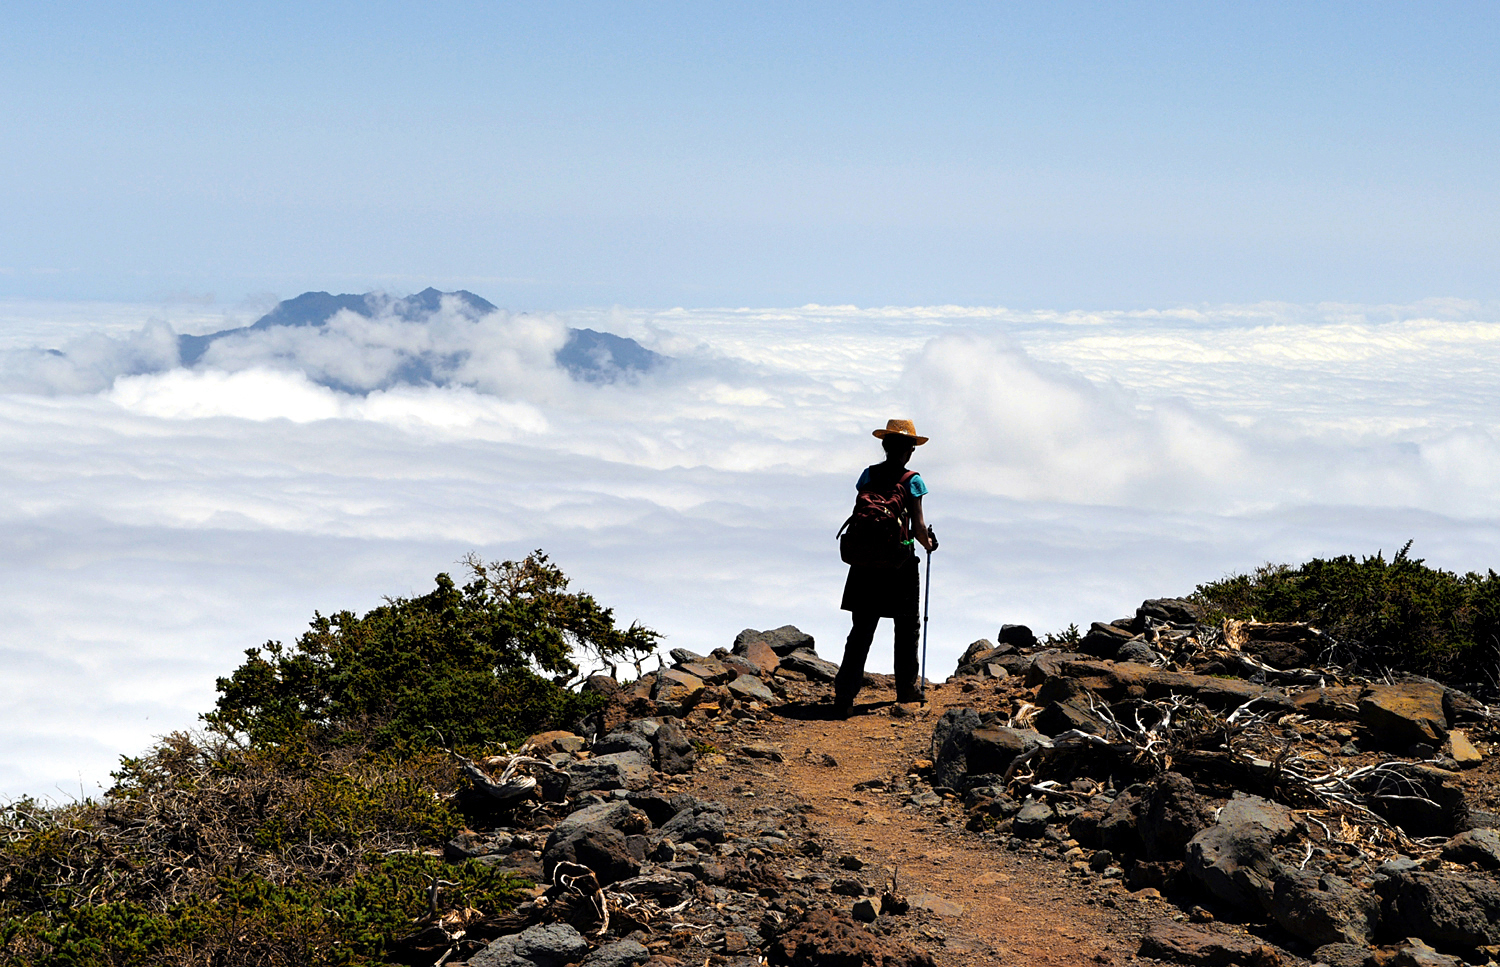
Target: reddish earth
986 903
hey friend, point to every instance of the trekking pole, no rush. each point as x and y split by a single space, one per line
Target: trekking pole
926 609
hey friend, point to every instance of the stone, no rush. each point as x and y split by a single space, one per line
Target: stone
783 640
1421 799
1233 859
618 814
1481 846
674 750
1048 663
1137 651
1342 955
992 750
738 664
621 953
1165 940
603 849
1031 822
677 689
749 688
1120 680
1103 640
828 938
604 685
546 743
1413 953
951 737
816 669
1324 909
936 904
1405 714
1171 814
1017 636
1177 611
762 750
623 740
700 821
657 809
758 654
1456 911
971 654
1335 702
1461 750
545 945
1058 717
618 770
1280 644
710 670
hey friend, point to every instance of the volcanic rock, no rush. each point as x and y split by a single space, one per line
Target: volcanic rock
1405 715
545 945
1184 944
826 938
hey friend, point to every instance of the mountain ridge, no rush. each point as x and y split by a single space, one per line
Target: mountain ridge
588 355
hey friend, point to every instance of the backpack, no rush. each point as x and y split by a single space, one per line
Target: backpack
877 533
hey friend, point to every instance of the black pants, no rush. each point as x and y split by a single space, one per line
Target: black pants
851 675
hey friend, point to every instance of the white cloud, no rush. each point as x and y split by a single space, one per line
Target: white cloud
156 521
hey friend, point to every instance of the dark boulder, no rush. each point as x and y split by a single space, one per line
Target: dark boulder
992 750
1171 813
698 822
617 770
1017 636
783 640
1324 909
816 669
950 743
1403 715
1184 944
621 953
1479 846
545 945
1233 859
1103 640
1177 611
674 750
827 938
1451 910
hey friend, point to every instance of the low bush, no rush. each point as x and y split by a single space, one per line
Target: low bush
1396 614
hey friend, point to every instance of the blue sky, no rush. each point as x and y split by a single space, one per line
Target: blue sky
564 155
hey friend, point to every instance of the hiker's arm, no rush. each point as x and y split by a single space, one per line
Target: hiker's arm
919 531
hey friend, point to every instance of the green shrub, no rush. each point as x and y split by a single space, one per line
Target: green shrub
457 666
1398 614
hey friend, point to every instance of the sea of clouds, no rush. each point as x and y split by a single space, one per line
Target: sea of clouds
156 520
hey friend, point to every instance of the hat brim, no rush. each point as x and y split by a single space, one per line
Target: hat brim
916 441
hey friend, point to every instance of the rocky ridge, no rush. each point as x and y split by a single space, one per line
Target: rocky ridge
1184 792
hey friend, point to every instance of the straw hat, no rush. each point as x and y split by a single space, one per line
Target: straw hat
901 428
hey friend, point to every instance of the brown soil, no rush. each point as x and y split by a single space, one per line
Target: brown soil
1021 905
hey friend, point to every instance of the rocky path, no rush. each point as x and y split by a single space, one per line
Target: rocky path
975 901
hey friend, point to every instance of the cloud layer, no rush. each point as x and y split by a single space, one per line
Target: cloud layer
155 521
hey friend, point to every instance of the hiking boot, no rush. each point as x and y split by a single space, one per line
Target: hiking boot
842 710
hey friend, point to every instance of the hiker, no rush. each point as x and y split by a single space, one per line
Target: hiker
890 587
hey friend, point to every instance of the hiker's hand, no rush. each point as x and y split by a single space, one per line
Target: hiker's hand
931 542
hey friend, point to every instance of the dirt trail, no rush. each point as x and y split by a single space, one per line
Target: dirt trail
1012 906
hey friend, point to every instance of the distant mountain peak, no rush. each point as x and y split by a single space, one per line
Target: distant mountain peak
596 357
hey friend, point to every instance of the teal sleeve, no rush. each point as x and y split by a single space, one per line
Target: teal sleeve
916 486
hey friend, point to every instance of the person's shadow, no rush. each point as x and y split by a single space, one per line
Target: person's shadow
823 711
